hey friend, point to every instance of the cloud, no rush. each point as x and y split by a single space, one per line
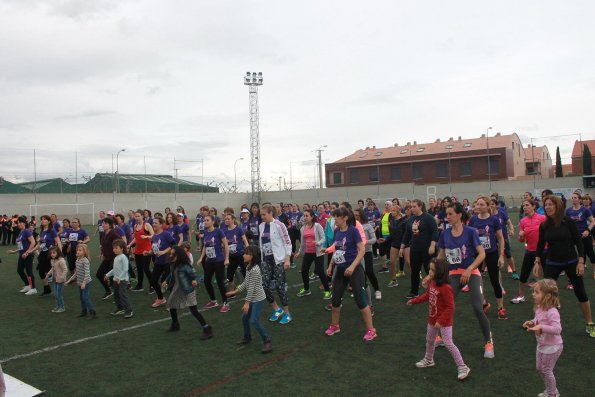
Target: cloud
88 114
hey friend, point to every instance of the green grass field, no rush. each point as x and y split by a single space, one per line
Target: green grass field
116 357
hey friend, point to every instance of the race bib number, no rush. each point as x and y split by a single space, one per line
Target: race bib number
233 248
267 249
63 240
155 248
485 242
73 237
100 229
43 247
454 256
254 230
339 256
19 246
211 254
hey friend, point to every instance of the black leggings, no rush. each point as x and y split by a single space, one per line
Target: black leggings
417 259
588 249
218 269
44 265
370 274
71 260
174 315
105 266
553 272
25 270
143 267
159 270
491 262
357 283
234 263
528 263
318 269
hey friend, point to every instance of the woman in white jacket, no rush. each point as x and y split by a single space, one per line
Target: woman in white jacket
312 242
276 250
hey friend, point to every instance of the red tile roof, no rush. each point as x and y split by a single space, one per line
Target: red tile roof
533 155
577 150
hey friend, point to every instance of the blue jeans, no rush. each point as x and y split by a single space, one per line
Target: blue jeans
58 287
253 318
86 305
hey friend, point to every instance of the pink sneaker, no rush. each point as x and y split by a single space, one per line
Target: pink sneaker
370 334
465 288
210 305
224 308
332 329
158 302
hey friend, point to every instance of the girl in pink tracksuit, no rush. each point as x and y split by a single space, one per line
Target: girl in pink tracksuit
547 328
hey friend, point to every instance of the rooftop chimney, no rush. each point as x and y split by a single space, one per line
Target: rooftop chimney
437 140
483 135
408 143
415 142
451 139
459 138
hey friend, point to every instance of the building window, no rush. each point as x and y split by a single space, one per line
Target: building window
374 174
395 173
465 168
494 168
442 170
354 176
337 178
403 151
467 145
421 149
417 171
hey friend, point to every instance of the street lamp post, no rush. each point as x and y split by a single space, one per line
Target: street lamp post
488 156
319 151
235 175
449 147
377 155
118 170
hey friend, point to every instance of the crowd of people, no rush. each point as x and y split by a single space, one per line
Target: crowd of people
453 242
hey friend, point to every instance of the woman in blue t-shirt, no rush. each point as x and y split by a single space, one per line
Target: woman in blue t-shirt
214 258
491 238
460 246
584 223
236 240
349 250
254 221
25 246
48 237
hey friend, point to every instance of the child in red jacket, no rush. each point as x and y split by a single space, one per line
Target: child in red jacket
442 306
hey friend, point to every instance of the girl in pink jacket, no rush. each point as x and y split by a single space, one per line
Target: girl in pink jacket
547 328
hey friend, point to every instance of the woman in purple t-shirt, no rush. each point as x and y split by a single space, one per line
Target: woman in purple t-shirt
25 246
48 237
214 258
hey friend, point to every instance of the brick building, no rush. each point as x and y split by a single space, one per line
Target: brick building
577 156
462 159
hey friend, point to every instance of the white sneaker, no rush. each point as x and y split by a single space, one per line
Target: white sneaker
378 295
424 363
32 291
463 372
26 288
518 299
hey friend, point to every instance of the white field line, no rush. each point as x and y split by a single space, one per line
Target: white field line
103 335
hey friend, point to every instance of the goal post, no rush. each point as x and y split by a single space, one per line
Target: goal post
84 211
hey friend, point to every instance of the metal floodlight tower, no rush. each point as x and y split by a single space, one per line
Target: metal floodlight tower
253 80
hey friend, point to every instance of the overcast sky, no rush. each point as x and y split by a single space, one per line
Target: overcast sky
164 79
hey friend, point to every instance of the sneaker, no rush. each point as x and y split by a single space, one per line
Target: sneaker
518 299
107 295
591 330
32 291
372 311
210 305
400 274
313 276
129 314
463 372
158 302
489 350
486 307
378 295
117 312
438 342
304 292
267 347
370 334
244 341
425 363
286 319
137 289
393 283
329 307
569 286
502 314
515 276
276 315
327 295
465 288
207 333
54 309
410 296
60 310
151 291
332 329
26 288
383 269
224 308
292 265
